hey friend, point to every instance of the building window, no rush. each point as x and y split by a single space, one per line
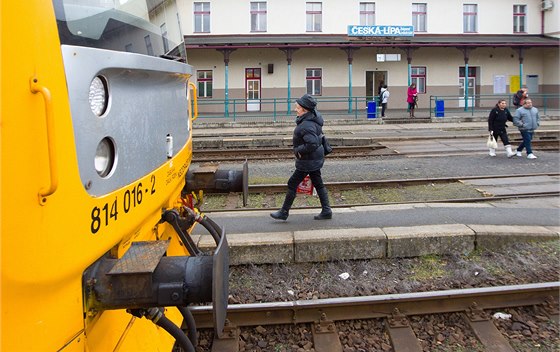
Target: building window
314 16
367 13
313 79
202 17
149 48
469 18
128 47
418 76
204 79
519 18
419 14
163 28
258 16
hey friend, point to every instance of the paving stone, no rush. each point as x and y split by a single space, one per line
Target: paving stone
429 239
339 244
256 248
496 236
208 143
237 142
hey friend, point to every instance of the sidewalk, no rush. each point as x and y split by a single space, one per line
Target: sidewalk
385 231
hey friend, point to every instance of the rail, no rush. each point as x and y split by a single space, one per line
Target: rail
354 108
483 103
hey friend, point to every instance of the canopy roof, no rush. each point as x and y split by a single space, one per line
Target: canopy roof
343 41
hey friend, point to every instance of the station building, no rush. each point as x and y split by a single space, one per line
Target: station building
259 50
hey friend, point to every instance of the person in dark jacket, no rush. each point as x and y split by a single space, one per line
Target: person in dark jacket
310 156
497 120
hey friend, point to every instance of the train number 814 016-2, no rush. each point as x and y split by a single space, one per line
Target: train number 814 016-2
110 211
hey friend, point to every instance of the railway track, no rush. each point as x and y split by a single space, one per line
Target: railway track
387 149
474 306
279 188
490 188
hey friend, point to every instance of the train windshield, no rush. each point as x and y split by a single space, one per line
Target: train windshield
149 27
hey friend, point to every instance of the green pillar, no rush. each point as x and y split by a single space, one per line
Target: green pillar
520 68
350 87
520 75
226 88
226 53
466 86
289 86
409 74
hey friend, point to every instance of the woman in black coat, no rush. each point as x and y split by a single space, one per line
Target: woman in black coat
497 126
310 156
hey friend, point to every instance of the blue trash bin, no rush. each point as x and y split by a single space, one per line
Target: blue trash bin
371 110
440 108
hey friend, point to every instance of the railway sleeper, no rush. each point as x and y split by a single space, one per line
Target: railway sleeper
485 330
325 335
402 336
229 341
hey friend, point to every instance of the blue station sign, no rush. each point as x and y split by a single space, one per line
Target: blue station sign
381 31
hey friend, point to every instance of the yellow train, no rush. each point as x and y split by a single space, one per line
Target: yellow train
96 253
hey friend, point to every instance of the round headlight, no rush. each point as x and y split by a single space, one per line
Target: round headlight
105 157
98 96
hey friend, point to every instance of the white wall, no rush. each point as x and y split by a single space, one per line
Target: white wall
444 16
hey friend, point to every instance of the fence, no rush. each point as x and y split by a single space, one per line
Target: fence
481 104
355 108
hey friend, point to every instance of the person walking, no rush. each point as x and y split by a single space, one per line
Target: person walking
310 157
411 98
497 120
527 119
384 98
519 97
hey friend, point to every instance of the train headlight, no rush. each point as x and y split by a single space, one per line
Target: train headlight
105 157
98 96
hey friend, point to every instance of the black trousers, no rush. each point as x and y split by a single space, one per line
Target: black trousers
299 175
503 136
383 108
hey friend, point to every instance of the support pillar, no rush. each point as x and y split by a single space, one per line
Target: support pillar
350 57
289 53
408 52
466 58
226 53
520 67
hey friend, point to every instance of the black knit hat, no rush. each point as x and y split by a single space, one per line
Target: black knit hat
307 102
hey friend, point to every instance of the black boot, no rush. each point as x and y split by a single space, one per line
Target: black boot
282 213
326 212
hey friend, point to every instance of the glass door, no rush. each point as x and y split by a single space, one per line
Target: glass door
253 89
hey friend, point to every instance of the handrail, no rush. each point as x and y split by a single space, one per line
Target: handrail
195 101
35 88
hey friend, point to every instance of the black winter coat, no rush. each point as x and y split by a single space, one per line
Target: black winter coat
307 141
498 118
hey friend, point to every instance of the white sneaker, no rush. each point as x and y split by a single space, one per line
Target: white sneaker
518 154
531 156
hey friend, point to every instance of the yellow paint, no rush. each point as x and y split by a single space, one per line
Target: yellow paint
46 243
514 84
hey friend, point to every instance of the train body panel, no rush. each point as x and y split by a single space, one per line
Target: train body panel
64 206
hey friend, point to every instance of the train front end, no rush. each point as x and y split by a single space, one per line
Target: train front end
96 143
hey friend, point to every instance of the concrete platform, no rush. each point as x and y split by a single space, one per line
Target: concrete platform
408 230
390 231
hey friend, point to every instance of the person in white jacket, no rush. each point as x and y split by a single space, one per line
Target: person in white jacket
384 98
527 119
